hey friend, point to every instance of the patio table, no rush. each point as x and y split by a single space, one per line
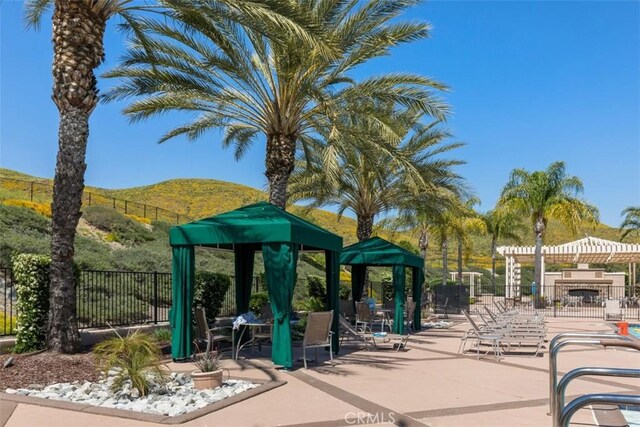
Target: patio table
238 345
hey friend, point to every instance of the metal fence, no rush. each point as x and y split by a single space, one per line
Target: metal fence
112 298
36 191
562 301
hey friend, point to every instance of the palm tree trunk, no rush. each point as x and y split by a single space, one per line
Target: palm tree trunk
538 229
445 249
365 227
459 262
78 49
423 244
493 263
280 161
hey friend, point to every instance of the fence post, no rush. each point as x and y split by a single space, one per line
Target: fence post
31 191
155 297
125 207
145 210
89 194
156 214
114 202
177 218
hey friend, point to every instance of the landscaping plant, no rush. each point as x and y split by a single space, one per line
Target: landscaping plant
136 357
208 362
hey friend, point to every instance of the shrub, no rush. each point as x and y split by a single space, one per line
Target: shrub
472 300
316 287
135 356
209 292
40 208
257 300
31 275
7 323
119 227
345 291
162 335
388 291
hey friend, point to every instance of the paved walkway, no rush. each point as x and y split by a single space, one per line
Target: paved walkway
429 385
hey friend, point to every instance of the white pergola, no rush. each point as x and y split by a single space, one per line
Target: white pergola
590 250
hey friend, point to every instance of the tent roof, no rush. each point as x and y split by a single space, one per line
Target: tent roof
254 224
377 251
588 250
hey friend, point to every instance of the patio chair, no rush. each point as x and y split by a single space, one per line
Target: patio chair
347 310
612 310
348 331
318 334
443 308
208 334
364 316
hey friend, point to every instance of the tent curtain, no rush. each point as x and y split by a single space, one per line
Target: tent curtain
183 273
244 256
418 280
399 293
357 282
333 286
280 261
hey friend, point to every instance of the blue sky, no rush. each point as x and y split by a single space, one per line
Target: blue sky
532 82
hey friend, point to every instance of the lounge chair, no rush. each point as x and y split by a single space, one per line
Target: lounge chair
348 331
209 334
364 317
347 310
318 334
498 338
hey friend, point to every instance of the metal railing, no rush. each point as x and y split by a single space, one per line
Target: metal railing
557 390
584 301
37 191
582 401
112 298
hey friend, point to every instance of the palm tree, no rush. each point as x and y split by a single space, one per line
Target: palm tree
547 194
252 87
78 45
631 224
501 223
370 183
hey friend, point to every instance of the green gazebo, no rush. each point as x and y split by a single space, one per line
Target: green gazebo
258 227
379 252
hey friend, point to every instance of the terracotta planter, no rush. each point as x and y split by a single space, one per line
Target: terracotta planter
206 380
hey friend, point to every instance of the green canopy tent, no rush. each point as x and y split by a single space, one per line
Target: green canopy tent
258 227
379 252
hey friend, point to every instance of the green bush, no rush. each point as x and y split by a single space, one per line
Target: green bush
136 356
345 291
119 227
472 300
316 287
31 275
210 290
257 300
388 291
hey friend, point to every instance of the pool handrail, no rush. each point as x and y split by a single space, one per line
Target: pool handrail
580 372
588 399
557 344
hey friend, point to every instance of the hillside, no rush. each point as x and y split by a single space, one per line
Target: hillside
199 198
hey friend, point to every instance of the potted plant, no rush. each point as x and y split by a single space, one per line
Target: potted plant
209 374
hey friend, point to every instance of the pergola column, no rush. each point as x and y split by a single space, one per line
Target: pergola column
542 270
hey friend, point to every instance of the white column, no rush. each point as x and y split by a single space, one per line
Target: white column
541 284
506 276
472 285
517 279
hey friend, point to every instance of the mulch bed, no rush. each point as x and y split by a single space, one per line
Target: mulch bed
46 368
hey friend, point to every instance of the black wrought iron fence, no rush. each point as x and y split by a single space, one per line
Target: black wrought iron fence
8 297
587 301
112 298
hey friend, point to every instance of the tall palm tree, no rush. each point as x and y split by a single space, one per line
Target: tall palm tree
78 45
547 194
631 224
252 87
501 223
370 183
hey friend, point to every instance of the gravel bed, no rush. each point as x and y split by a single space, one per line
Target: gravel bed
175 397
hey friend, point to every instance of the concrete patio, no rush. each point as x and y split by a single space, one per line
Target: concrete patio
430 384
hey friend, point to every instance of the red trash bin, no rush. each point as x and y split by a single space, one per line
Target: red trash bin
623 328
